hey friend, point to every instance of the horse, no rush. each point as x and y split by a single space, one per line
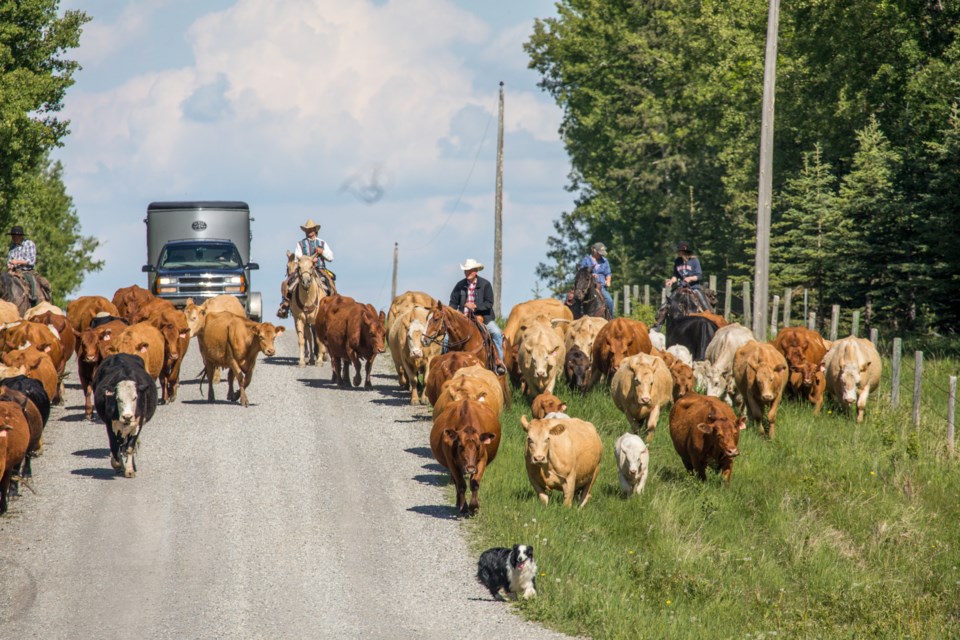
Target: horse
304 302
14 288
588 299
681 303
467 335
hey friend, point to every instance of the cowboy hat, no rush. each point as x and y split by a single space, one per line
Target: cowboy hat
16 231
472 265
683 246
310 224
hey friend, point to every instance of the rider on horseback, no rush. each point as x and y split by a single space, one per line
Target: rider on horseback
597 261
473 296
22 258
687 272
321 252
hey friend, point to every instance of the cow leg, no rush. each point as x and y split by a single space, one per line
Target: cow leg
475 487
754 410
369 385
208 373
587 489
355 360
862 403
115 461
652 422
243 381
461 486
772 416
88 401
569 489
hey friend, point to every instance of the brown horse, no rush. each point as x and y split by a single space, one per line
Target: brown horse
467 335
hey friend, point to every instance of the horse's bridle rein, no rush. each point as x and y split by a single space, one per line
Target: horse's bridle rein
427 339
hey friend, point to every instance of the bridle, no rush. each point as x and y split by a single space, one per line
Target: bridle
428 339
307 308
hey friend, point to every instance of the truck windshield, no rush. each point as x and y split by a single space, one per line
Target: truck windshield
200 257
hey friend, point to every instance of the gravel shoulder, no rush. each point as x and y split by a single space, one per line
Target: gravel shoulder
314 513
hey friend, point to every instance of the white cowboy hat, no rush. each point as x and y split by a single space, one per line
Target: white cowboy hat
472 264
310 224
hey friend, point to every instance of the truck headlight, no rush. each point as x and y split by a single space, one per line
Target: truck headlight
163 281
236 280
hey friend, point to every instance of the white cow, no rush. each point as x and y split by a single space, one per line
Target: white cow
853 369
633 463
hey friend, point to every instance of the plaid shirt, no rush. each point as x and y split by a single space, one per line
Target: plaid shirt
471 296
26 250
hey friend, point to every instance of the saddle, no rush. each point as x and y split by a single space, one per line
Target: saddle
37 287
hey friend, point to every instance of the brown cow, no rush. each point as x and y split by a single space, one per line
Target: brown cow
14 441
143 340
82 310
705 431
90 352
804 350
545 404
475 382
130 300
564 454
34 421
233 343
154 306
172 325
351 332
195 313
619 338
38 366
464 439
59 323
684 380
760 372
25 332
443 367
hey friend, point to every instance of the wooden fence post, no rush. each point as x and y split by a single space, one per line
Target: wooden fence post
804 302
713 283
812 321
787 295
874 336
895 372
855 324
636 294
773 316
917 387
951 403
747 311
616 300
727 299
834 321
646 295
626 300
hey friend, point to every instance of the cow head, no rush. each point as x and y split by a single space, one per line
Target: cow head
642 372
810 375
125 396
539 433
850 376
372 329
415 333
265 334
89 350
576 368
683 379
195 316
465 387
709 378
468 446
542 349
547 403
768 378
723 431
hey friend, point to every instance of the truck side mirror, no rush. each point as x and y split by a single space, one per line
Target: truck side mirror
253 266
148 268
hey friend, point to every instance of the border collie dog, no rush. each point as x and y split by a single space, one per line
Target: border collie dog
511 570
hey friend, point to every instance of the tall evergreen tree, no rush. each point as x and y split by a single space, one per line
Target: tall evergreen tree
807 233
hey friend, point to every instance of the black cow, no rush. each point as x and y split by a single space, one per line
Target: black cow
693 332
125 398
33 389
576 368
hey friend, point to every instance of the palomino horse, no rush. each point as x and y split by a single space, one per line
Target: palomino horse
588 300
465 334
304 302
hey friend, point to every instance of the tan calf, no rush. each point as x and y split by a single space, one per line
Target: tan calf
760 372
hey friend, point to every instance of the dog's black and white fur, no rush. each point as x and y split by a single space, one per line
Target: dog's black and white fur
510 570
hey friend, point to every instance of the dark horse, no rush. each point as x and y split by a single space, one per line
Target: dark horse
695 333
14 288
465 334
587 298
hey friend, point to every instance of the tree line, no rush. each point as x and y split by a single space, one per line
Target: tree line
661 105
35 74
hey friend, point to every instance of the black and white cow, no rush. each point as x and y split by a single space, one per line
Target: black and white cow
125 397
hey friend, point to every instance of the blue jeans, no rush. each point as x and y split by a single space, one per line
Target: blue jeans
608 298
495 334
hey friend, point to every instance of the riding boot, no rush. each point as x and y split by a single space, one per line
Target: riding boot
284 309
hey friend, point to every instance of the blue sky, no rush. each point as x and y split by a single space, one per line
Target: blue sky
291 105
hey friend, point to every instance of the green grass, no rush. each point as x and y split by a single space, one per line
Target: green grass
832 530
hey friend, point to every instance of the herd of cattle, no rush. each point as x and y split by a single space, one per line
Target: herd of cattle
740 378
126 345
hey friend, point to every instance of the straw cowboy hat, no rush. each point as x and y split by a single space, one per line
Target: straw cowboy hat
310 224
472 264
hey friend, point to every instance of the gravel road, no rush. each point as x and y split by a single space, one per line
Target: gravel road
314 513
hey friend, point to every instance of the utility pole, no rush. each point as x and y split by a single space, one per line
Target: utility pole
762 263
396 255
498 217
